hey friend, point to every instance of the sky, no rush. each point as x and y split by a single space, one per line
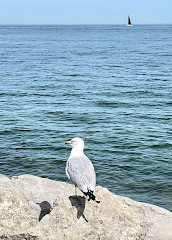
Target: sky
85 11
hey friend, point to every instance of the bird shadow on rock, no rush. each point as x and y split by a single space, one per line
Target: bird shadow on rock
45 209
79 203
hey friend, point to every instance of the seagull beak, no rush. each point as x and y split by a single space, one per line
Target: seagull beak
68 142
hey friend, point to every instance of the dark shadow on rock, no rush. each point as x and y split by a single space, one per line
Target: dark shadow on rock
45 209
19 237
79 203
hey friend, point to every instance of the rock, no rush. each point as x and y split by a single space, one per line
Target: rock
15 217
75 218
34 208
156 221
37 193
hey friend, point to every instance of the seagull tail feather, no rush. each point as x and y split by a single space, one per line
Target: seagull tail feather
91 196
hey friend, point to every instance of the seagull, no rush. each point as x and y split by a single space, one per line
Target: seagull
80 170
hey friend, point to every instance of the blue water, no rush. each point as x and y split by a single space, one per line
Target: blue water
110 85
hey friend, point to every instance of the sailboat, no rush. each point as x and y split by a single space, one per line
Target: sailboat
129 22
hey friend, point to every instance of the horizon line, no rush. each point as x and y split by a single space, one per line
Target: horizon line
67 24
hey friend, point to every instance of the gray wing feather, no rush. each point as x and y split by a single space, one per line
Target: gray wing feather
80 170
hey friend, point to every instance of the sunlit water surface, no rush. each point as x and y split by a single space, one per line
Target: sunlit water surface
110 85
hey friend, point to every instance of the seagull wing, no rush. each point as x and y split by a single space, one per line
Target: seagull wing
81 172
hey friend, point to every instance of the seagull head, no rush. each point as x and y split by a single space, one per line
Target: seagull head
76 143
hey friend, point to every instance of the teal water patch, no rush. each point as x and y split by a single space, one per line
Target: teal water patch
58 82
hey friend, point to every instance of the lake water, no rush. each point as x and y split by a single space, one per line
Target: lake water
110 85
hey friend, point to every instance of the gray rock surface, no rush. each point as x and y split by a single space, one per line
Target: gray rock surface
36 192
157 222
15 217
37 208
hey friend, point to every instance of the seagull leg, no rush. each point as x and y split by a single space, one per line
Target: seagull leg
75 190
